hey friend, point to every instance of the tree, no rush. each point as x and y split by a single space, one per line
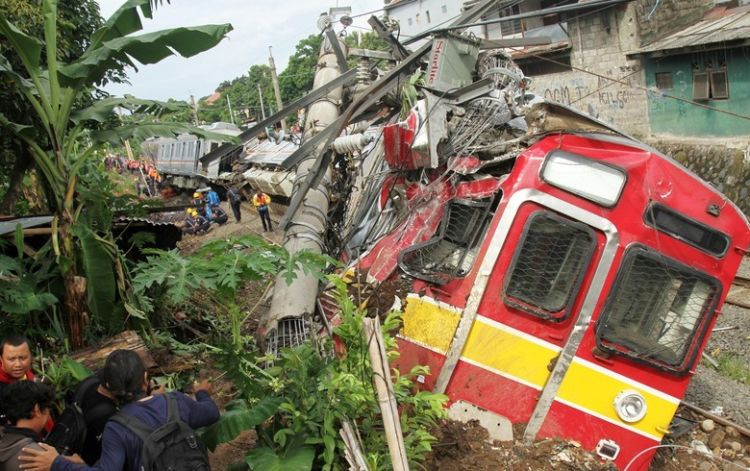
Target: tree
82 244
77 21
297 79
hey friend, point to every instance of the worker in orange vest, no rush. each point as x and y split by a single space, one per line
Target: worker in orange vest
261 202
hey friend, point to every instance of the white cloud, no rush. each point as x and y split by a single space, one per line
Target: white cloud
257 25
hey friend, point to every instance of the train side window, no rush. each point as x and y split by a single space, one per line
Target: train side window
548 266
658 311
453 250
688 230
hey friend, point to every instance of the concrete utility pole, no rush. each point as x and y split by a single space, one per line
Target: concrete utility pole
262 108
307 229
231 115
195 110
275 82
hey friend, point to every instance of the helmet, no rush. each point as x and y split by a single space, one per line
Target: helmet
197 195
189 211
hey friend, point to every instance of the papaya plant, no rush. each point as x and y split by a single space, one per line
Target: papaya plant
314 391
88 261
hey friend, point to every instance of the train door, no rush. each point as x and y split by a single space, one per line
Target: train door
545 270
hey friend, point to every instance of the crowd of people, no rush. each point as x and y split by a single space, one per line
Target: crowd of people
148 180
114 420
205 209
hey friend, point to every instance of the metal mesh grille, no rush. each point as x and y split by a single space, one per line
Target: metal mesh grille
656 308
452 252
291 332
549 266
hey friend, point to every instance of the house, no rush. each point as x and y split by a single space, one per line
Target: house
673 72
417 16
706 63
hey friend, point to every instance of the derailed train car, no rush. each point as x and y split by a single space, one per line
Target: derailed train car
178 159
573 294
554 272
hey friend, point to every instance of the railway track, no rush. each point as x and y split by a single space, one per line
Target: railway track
739 292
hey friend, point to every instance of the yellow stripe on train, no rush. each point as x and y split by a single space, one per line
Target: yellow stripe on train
516 355
595 388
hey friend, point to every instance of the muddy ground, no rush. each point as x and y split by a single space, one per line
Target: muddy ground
465 446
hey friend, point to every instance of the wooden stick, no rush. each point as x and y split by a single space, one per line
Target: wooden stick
744 431
386 397
353 450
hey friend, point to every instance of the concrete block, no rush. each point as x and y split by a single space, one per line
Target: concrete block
499 427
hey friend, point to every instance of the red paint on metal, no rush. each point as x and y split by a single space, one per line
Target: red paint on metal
650 178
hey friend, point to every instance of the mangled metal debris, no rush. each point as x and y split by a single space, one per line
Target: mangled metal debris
556 272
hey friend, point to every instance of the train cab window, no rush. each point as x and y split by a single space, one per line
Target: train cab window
548 266
451 253
686 229
658 311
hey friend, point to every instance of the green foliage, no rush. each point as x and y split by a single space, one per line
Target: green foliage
733 366
319 391
297 79
25 287
63 375
53 91
221 266
238 418
409 92
298 458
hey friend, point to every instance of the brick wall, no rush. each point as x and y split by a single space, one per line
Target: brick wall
726 168
668 17
599 43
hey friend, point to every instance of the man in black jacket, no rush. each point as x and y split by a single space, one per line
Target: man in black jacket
26 406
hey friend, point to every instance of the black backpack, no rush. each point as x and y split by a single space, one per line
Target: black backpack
69 433
173 446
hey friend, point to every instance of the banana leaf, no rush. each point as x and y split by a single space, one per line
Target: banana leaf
102 109
98 266
236 421
146 130
148 48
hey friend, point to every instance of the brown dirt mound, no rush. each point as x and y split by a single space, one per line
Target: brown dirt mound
464 446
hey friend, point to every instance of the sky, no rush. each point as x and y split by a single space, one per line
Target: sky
257 25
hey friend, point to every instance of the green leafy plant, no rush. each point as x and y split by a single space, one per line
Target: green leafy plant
733 366
318 392
28 287
63 375
71 132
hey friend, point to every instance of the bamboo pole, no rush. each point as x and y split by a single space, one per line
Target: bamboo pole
386 398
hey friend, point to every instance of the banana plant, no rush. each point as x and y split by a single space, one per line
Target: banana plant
55 90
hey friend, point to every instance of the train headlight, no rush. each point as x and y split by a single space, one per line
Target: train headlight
587 178
630 406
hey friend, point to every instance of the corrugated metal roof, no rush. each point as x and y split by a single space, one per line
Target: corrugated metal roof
266 152
27 222
733 25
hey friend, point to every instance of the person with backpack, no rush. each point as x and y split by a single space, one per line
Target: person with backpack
26 406
149 433
79 429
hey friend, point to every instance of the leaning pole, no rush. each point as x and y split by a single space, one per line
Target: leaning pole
306 230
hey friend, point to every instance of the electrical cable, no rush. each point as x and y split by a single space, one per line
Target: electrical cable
679 447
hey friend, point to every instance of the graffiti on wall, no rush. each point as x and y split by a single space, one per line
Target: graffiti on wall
608 93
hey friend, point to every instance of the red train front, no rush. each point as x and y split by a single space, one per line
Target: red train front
573 294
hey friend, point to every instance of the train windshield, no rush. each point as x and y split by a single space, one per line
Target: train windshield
658 310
